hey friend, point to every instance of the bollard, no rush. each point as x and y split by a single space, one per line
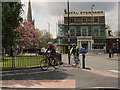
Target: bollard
83 55
109 55
60 57
110 52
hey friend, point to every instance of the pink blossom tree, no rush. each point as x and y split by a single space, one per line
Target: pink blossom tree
27 36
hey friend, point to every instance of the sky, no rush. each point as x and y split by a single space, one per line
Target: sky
45 12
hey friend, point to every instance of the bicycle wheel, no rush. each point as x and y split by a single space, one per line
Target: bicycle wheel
56 63
78 63
44 64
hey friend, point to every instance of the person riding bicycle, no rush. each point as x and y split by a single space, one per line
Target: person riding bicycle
52 53
75 51
52 50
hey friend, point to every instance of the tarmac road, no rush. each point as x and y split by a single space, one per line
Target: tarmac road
83 78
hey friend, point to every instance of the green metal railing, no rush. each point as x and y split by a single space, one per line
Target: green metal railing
7 63
20 62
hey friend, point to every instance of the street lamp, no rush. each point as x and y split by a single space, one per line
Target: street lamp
92 32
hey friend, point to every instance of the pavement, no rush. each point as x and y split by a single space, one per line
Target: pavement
114 58
64 77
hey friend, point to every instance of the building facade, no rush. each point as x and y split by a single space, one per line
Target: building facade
87 30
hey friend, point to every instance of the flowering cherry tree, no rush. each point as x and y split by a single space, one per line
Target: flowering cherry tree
27 35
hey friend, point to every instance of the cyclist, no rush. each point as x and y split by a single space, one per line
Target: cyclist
75 51
52 51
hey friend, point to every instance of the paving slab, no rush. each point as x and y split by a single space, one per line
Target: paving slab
38 83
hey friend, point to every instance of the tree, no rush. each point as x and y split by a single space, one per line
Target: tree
45 37
108 30
26 35
11 12
55 40
107 27
117 33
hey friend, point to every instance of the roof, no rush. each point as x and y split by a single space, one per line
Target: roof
84 13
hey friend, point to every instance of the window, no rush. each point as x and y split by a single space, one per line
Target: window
72 30
96 31
84 20
114 45
72 33
78 33
78 20
72 20
96 20
84 31
102 33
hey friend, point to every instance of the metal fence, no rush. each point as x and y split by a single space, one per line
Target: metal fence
20 62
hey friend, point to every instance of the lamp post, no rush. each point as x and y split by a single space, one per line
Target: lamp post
68 36
92 32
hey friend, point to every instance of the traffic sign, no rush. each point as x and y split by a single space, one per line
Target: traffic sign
117 39
92 41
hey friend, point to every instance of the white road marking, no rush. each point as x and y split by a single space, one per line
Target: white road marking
115 71
105 87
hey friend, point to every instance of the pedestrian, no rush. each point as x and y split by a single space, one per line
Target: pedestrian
104 49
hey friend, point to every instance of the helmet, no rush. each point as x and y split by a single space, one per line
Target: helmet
50 43
74 44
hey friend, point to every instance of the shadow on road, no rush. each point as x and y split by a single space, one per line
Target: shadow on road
35 74
88 68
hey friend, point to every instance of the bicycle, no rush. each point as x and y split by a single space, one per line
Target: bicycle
45 64
77 61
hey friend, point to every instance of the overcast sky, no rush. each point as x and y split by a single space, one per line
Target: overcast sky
50 12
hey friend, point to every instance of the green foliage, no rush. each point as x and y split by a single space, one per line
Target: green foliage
11 12
107 27
55 40
45 37
118 33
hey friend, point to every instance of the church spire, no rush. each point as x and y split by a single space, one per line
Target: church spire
29 15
